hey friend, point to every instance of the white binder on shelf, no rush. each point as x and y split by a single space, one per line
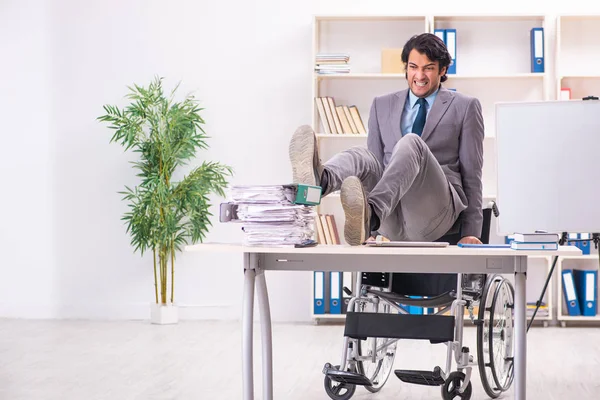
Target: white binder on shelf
319 292
570 293
346 282
335 307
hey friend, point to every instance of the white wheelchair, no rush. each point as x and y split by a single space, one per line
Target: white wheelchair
377 318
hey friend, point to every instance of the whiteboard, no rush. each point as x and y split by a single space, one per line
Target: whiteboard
547 159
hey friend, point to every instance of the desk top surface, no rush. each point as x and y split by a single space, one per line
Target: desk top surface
367 250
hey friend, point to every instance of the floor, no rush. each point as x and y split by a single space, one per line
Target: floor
129 360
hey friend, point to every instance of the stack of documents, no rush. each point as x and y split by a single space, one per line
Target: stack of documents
270 216
332 63
535 241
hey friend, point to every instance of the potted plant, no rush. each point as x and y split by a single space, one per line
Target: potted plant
163 215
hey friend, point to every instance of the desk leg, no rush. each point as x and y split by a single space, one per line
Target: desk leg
267 342
520 337
247 319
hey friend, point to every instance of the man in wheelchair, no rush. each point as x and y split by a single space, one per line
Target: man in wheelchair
419 179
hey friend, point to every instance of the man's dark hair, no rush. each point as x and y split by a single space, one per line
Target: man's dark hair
430 45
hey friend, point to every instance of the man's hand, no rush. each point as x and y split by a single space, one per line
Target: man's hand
470 240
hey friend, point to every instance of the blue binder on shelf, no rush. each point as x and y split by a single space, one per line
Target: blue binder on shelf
441 33
415 309
586 287
335 306
449 38
570 293
537 50
451 45
584 246
319 293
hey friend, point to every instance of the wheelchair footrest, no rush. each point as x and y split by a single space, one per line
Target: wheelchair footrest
437 328
352 378
428 378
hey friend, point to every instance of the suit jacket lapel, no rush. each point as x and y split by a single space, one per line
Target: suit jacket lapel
440 105
397 109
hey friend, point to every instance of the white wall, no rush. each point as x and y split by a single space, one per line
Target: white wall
66 253
28 273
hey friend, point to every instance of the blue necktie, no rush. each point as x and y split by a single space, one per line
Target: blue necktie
420 120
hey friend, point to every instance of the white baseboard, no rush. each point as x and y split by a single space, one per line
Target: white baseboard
139 311
28 311
136 311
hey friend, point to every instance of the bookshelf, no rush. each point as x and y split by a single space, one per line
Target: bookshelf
493 64
576 58
577 55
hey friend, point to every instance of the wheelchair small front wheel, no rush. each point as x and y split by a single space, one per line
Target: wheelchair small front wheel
338 390
452 384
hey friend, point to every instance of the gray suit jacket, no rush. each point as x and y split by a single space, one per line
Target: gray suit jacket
453 132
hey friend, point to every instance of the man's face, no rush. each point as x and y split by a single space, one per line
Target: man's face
423 74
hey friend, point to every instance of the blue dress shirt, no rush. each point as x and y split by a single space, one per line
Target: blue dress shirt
411 109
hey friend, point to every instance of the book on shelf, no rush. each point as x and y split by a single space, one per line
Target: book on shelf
360 127
332 69
543 311
339 119
348 116
327 232
332 57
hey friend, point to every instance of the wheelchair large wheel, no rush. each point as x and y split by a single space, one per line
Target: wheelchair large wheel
495 336
378 370
501 342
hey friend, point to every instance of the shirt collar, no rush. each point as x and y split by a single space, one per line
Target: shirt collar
430 99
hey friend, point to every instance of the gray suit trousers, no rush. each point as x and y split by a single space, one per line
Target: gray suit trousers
411 195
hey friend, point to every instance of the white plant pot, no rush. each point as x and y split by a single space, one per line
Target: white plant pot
164 314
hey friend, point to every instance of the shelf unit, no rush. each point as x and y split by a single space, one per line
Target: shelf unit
493 64
586 262
577 35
